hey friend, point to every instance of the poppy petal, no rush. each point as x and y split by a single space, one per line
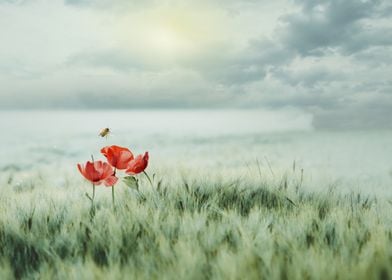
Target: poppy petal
82 171
138 165
110 181
117 156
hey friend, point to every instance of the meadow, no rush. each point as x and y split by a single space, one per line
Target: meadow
193 227
224 204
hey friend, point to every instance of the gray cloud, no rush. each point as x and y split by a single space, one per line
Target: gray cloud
252 63
117 5
329 58
14 2
312 78
117 60
336 24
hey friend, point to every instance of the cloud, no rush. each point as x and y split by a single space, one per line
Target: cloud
14 2
344 25
328 58
115 59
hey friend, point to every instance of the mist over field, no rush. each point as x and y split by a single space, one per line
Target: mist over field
231 142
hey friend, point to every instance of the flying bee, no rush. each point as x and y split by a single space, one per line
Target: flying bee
105 132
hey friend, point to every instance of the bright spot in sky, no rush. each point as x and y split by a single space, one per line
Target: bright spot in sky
171 34
165 40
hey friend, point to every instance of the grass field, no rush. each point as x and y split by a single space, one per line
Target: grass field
193 226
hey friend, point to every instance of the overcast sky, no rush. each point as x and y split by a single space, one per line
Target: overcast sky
331 59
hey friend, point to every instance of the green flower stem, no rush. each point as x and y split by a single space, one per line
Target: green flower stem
114 174
114 207
148 178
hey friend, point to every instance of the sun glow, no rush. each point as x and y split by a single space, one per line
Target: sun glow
167 40
171 34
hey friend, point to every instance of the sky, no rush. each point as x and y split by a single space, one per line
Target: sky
330 59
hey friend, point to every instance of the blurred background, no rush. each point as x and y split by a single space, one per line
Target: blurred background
222 86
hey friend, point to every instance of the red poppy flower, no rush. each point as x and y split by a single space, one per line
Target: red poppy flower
118 157
98 172
138 164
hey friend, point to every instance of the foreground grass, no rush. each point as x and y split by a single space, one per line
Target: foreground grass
200 229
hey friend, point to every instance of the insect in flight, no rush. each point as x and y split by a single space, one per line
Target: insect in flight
105 132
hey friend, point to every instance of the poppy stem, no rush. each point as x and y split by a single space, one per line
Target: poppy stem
148 178
114 207
92 210
92 198
93 193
